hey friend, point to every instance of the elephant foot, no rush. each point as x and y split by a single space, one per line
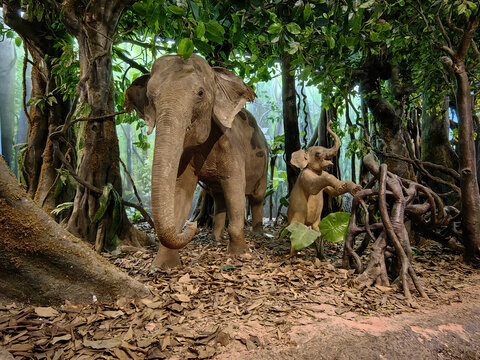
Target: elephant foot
237 248
219 236
258 229
167 259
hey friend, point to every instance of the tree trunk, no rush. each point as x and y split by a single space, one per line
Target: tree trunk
22 127
7 94
435 139
290 119
388 118
468 171
41 263
40 163
99 165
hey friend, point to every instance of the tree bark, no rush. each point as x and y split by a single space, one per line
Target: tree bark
41 263
388 118
290 119
470 202
468 171
7 93
40 162
94 28
435 139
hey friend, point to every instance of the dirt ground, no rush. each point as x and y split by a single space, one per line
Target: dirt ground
260 305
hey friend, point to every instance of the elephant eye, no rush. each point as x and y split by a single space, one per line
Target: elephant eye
200 93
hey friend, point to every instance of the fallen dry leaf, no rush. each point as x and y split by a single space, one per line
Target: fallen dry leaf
46 311
102 344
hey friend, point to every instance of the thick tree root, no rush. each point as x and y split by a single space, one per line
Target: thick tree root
394 202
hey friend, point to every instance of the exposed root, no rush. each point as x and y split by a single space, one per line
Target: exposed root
396 200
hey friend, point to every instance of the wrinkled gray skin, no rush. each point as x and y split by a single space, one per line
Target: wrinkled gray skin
202 133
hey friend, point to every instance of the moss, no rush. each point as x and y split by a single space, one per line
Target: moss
21 231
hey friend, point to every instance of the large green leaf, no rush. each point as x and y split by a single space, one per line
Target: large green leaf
177 10
214 31
185 48
104 202
116 220
294 28
301 235
274 28
307 11
334 226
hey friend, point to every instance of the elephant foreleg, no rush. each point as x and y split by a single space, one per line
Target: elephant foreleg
220 216
234 193
184 189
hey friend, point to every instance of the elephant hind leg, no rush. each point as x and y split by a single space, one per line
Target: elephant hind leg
220 216
234 193
256 204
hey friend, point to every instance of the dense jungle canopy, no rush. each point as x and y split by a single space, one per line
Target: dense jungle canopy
399 79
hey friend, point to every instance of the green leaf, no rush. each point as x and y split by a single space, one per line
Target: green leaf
294 28
140 8
274 28
307 11
104 202
356 22
62 207
185 48
200 30
374 36
228 267
177 10
334 226
116 219
284 201
294 46
215 31
301 235
18 41
331 42
367 4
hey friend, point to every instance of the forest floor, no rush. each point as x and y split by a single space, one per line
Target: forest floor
260 305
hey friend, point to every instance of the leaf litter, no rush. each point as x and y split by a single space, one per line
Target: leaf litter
215 303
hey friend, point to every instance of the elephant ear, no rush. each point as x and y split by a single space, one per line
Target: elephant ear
231 95
299 159
136 99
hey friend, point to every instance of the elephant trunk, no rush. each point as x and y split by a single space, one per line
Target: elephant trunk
168 150
331 152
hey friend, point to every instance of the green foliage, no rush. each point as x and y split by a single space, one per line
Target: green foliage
185 48
65 184
66 206
301 236
333 228
42 101
110 202
66 69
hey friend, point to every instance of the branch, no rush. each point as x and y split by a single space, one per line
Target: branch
24 84
467 38
442 30
130 62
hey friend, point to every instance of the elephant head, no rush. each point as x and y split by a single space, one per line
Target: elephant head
181 98
316 158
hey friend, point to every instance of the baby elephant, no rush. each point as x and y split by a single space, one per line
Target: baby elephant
306 198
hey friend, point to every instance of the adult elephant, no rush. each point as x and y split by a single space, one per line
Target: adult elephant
202 133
